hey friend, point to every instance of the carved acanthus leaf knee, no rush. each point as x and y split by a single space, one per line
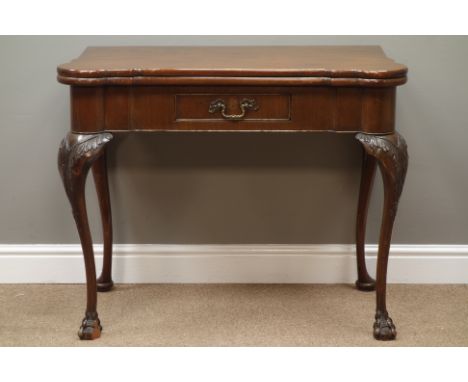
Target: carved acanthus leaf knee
78 151
391 153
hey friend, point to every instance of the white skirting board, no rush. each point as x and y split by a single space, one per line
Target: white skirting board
160 263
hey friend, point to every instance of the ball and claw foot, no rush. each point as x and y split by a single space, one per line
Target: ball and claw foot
367 285
104 286
384 329
90 327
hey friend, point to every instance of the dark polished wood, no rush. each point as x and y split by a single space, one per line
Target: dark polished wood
256 65
390 152
344 89
174 108
364 281
76 155
104 281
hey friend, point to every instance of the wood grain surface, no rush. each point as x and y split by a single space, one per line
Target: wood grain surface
153 65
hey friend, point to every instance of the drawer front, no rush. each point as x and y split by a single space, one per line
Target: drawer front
232 107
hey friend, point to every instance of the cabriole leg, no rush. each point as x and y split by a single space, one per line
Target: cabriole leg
364 281
104 281
76 155
390 151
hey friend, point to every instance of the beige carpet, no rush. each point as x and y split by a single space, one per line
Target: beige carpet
233 315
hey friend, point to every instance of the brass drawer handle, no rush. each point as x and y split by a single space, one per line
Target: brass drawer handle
245 104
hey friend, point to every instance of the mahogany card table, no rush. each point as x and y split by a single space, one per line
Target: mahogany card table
339 89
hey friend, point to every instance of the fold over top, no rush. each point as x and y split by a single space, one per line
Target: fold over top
321 65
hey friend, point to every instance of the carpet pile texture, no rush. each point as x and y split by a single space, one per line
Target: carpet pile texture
233 315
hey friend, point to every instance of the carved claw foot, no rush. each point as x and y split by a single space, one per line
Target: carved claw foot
90 327
384 329
104 286
366 285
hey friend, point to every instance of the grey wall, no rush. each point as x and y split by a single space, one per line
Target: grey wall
235 188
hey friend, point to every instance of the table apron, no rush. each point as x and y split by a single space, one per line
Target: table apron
176 108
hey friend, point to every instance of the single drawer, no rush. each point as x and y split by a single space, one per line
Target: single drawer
232 107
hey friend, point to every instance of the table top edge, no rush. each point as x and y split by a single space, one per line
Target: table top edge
97 63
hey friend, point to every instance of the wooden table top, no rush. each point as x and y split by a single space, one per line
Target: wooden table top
357 62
